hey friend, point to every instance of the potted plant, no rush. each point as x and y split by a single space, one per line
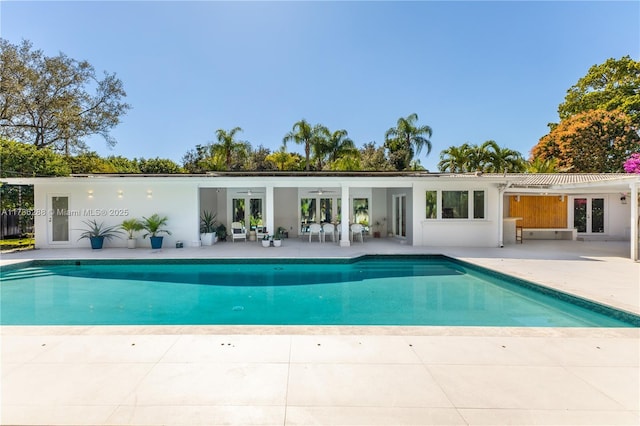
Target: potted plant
377 227
131 226
207 228
221 232
266 242
98 232
277 238
153 225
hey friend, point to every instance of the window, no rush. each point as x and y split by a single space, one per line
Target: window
431 211
361 211
238 210
478 204
455 204
326 210
256 213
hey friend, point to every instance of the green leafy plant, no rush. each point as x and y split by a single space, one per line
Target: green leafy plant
280 232
153 225
130 226
208 222
221 232
97 230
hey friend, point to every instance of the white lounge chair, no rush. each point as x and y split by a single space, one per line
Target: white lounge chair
238 232
315 228
357 229
261 231
329 229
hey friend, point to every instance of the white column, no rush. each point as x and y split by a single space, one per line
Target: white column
269 210
634 221
501 189
345 214
195 236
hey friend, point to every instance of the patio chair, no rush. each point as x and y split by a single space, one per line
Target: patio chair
357 229
329 229
261 231
316 229
238 232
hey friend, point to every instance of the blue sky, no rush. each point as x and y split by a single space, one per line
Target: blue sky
473 71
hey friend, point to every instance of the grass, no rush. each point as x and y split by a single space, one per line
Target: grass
16 244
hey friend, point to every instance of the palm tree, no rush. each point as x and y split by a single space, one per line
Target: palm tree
502 160
302 134
320 144
539 165
340 146
454 159
227 145
408 139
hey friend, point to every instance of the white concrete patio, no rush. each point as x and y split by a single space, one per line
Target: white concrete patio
340 375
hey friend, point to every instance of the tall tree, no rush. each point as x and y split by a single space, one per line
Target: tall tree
612 85
23 160
594 141
454 159
228 147
303 133
89 162
339 147
538 165
158 166
374 158
56 101
320 145
488 157
259 159
407 140
502 160
285 160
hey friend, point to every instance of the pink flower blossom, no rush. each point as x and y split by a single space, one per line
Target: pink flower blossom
632 165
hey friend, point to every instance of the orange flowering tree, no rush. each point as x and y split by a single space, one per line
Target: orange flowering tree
593 141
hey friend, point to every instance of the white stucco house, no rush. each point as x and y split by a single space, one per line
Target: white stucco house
423 209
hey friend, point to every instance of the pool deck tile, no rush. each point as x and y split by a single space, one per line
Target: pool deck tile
252 375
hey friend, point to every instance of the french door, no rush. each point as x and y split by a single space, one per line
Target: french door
400 216
256 212
589 214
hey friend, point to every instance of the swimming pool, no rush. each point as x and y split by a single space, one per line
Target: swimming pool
371 290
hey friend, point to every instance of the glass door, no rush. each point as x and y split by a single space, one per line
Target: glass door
59 219
589 215
400 216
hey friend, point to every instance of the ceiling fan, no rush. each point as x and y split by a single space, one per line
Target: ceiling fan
321 191
249 192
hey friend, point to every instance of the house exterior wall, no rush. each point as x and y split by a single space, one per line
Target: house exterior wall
379 211
286 210
619 226
182 198
102 201
442 232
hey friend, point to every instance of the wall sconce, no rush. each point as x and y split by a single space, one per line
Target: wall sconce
623 198
120 193
149 193
90 193
561 198
517 198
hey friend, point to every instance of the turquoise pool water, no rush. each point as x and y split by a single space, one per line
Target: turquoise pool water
373 290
